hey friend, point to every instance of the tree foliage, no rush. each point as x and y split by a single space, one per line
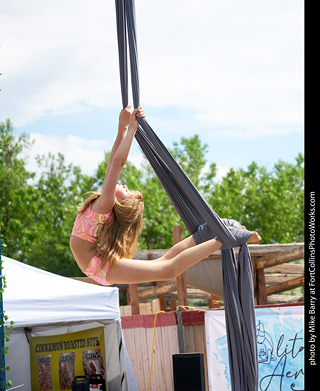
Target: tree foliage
271 202
39 210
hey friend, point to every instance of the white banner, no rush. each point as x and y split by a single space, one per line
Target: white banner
280 337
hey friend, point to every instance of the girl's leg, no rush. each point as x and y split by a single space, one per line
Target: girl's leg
178 248
241 234
132 271
203 234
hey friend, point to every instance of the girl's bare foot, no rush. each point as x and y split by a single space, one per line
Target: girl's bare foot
254 238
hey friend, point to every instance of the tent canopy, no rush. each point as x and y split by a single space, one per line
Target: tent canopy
51 304
36 297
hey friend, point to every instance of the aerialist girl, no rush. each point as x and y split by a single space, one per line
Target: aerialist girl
106 230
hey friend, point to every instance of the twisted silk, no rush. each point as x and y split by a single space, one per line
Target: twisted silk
197 215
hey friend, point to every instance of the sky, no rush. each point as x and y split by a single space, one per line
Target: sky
230 71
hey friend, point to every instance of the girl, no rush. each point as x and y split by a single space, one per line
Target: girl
114 216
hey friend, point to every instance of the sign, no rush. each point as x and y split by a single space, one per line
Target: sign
56 360
280 338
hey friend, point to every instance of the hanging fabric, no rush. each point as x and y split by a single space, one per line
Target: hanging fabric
199 218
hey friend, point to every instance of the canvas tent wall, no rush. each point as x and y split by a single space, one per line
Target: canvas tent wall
49 304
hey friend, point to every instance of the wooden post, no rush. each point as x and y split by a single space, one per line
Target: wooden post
180 280
261 287
133 299
161 298
173 303
255 279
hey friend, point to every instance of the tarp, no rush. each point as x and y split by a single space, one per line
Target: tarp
36 297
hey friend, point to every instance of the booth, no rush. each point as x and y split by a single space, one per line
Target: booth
62 328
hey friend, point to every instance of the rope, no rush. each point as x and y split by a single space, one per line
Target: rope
154 332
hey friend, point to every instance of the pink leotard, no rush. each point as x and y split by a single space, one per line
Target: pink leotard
89 224
95 272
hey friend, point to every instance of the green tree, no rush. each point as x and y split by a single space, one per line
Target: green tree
39 211
190 156
52 212
14 181
272 202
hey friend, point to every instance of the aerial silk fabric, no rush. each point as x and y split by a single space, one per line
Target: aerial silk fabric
199 218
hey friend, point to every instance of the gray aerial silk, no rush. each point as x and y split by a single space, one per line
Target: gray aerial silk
200 219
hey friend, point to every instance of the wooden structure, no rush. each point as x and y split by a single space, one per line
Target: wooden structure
274 273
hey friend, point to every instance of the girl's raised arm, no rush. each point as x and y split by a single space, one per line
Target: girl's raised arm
124 118
117 159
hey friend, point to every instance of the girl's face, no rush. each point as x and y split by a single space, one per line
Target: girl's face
122 192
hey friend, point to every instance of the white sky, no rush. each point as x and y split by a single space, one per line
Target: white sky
229 70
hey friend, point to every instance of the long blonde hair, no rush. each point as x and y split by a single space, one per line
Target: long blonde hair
119 238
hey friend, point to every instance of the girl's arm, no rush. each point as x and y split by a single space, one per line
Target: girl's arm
105 202
124 118
132 271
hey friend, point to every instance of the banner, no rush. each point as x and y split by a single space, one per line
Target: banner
56 360
280 337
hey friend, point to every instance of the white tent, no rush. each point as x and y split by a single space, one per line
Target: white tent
50 304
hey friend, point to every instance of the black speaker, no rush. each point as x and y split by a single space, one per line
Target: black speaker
93 382
188 372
